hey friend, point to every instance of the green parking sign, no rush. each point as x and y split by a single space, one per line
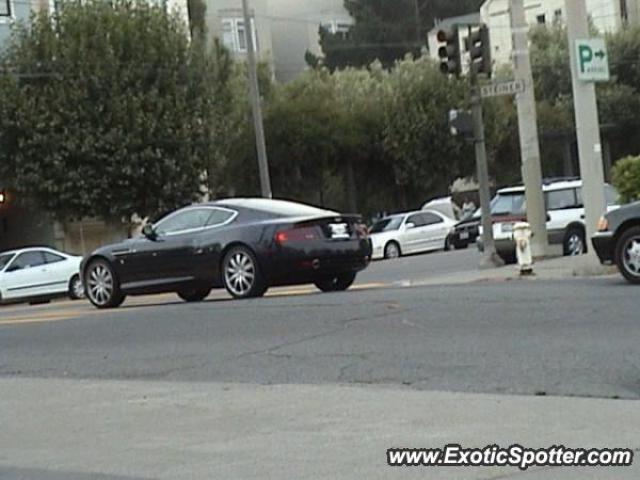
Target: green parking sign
593 60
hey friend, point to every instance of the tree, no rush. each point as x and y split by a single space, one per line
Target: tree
386 30
626 178
109 111
422 155
197 18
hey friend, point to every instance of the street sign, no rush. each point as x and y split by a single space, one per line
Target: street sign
593 60
503 88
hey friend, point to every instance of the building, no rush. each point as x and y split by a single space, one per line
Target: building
283 30
606 15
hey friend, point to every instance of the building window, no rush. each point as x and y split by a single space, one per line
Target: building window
5 8
337 27
234 35
557 16
541 19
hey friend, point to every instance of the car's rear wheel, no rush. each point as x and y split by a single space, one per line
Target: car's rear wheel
195 293
102 285
337 283
628 255
574 242
241 274
392 250
76 289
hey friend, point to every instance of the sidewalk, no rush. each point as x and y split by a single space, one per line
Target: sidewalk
55 429
548 269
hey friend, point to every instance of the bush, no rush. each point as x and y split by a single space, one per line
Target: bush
626 178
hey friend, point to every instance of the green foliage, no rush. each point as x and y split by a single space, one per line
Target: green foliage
111 110
626 178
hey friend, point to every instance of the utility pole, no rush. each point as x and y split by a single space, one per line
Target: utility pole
256 107
528 130
587 125
490 257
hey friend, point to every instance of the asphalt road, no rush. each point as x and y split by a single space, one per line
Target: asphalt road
570 337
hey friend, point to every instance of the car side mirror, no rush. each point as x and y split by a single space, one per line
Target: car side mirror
409 225
149 232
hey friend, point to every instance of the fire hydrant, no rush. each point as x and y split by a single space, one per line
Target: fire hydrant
522 237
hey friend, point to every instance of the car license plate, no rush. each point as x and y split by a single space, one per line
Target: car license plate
507 227
464 235
339 230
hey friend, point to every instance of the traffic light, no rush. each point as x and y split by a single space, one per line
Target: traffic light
3 198
461 123
479 49
449 52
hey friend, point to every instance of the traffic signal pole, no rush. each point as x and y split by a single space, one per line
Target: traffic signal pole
490 257
528 130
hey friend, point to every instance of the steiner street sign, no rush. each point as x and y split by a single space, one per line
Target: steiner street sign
593 60
503 88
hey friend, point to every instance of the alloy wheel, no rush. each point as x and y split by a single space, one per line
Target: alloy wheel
240 273
392 251
100 285
575 244
631 256
77 288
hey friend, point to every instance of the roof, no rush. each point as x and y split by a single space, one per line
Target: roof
548 185
469 18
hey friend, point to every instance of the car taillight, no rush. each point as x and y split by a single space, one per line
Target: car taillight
297 235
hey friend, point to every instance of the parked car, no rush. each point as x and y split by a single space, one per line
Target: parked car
243 245
32 274
410 232
444 205
466 231
565 215
618 241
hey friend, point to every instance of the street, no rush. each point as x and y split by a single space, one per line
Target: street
524 337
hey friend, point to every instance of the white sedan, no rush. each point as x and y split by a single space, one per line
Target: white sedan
411 232
30 274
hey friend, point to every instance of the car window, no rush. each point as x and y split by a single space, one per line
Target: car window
219 216
50 257
416 219
386 225
27 260
183 220
431 218
561 199
5 258
509 204
611 195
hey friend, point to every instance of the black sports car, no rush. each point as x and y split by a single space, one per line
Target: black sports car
244 245
618 240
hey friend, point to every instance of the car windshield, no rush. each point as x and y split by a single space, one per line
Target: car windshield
387 224
508 204
5 258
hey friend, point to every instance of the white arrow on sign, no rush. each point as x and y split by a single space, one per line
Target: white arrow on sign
504 88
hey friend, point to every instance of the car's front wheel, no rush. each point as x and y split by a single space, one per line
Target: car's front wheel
76 289
628 255
241 274
574 242
102 285
392 250
194 293
337 283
